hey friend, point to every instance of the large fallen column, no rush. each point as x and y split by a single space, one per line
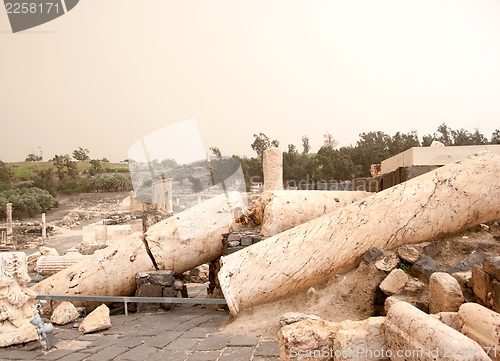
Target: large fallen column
447 200
178 243
278 211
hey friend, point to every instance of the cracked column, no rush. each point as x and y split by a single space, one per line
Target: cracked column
272 163
455 197
178 243
169 196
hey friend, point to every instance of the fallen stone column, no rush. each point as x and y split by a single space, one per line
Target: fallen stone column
483 326
178 243
447 200
414 335
278 211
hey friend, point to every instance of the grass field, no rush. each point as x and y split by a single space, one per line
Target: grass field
25 170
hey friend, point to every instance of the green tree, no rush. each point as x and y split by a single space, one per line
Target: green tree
81 154
6 176
371 148
306 147
495 137
65 167
95 167
44 179
262 142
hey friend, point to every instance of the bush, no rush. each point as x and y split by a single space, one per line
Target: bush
26 201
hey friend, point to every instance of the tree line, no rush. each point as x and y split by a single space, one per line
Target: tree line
331 163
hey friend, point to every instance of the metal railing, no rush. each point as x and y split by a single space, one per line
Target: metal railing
131 299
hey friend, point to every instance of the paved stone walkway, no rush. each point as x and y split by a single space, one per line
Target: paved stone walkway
187 333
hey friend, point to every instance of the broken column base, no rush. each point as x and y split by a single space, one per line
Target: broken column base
158 284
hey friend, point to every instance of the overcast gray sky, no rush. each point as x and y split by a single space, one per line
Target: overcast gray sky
112 71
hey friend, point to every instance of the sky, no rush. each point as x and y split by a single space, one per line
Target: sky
110 72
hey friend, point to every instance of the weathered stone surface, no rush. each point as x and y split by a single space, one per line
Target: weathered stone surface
480 281
483 326
304 338
389 302
372 254
179 243
409 254
387 262
48 251
394 282
272 164
291 317
96 320
278 211
450 319
17 303
445 293
413 335
164 278
496 296
31 260
368 343
491 266
64 313
426 266
411 212
246 241
147 290
414 286
464 279
467 263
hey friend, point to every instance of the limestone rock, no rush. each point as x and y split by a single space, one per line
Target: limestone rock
388 262
422 337
303 337
445 293
491 266
483 326
394 282
48 251
31 260
389 302
409 254
272 164
369 342
291 317
96 320
414 286
480 283
65 313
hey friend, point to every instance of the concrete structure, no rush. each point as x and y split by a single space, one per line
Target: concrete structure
272 164
433 156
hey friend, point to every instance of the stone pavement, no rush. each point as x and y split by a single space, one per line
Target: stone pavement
187 333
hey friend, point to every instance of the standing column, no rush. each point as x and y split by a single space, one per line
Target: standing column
169 196
9 224
44 227
272 163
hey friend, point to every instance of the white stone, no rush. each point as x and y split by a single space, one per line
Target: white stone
97 320
65 313
17 303
272 164
387 262
291 317
409 254
445 293
48 251
450 319
394 282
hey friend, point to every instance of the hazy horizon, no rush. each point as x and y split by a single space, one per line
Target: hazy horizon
108 73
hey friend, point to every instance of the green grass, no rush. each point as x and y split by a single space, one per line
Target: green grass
26 170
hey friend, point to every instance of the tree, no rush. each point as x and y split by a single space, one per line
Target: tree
95 167
44 179
6 176
196 184
371 148
495 137
305 145
262 142
65 167
401 142
32 157
329 141
81 154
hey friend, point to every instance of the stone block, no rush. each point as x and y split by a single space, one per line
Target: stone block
144 290
389 302
163 278
234 249
246 241
496 296
388 262
414 286
467 263
409 254
445 293
481 325
394 282
480 282
491 266
64 313
464 279
97 320
414 335
426 266
170 293
233 237
234 244
371 254
369 343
